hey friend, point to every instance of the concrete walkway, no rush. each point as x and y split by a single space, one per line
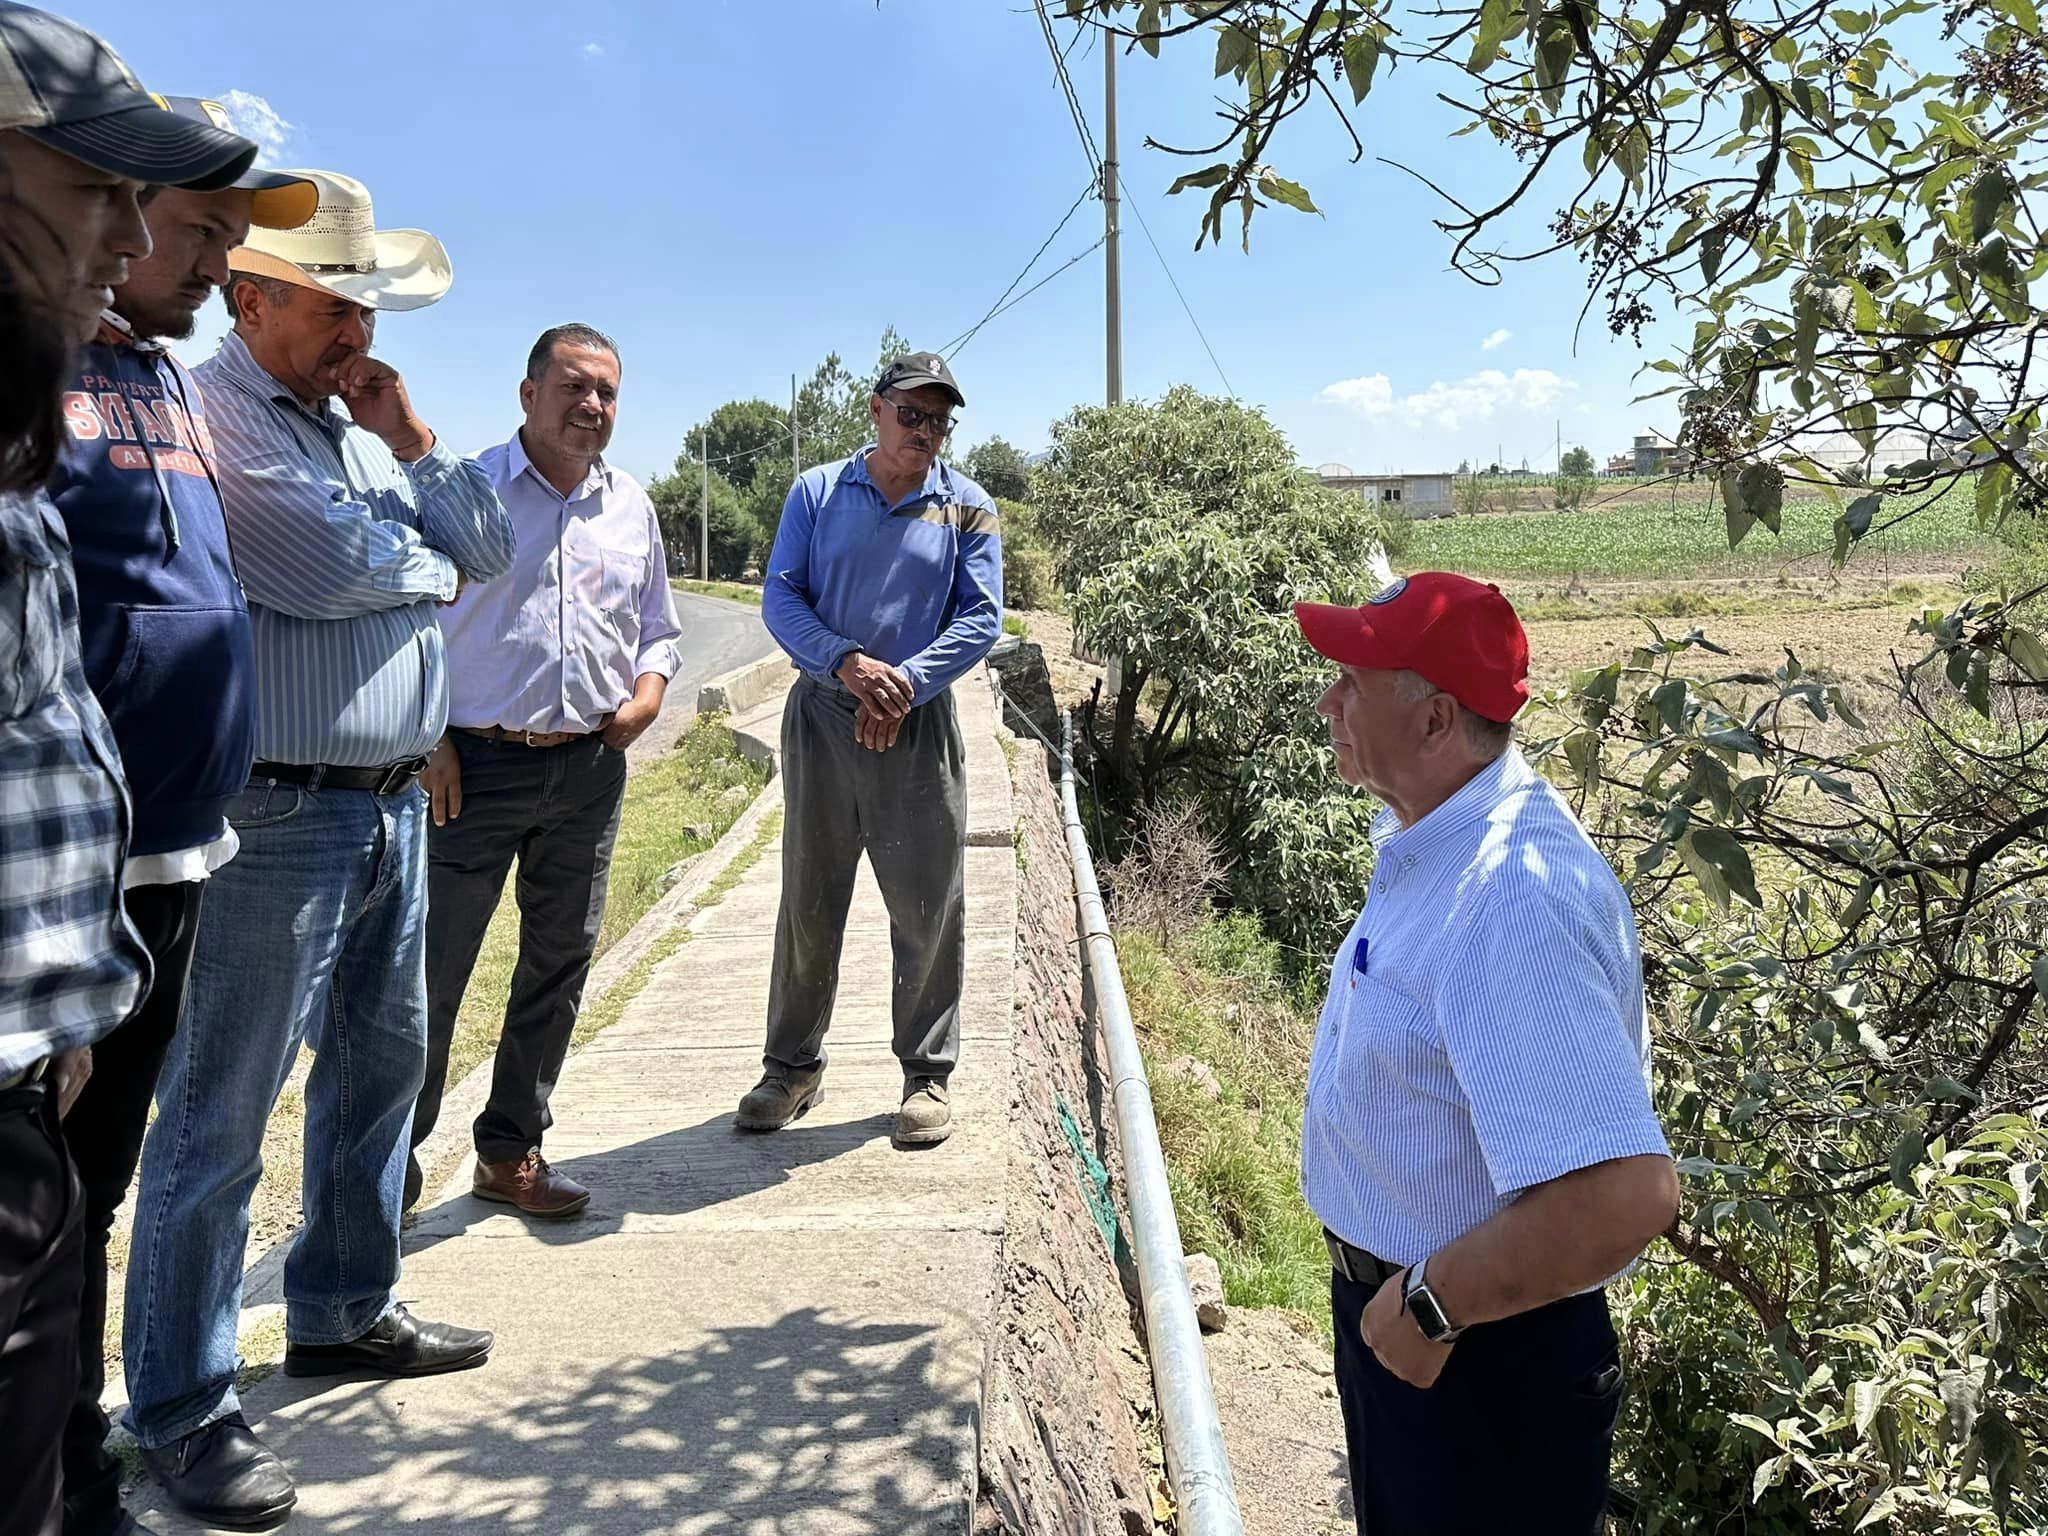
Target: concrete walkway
779 1334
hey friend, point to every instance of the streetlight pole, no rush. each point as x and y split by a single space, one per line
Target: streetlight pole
1113 314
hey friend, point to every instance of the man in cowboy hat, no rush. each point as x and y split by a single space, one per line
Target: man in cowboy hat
885 584
166 647
80 145
348 532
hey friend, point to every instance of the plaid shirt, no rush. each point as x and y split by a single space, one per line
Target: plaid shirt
70 966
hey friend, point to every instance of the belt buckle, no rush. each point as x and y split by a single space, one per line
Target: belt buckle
528 735
398 773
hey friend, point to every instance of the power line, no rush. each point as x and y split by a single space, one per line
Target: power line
1132 204
996 308
1055 272
1059 64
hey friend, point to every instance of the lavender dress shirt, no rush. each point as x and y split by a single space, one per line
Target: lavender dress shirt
558 642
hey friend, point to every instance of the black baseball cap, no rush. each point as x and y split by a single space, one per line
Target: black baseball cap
914 370
65 88
283 201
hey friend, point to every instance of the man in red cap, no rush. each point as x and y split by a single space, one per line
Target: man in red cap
1478 1141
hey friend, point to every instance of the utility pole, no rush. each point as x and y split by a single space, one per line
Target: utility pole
1560 448
1113 311
704 510
795 460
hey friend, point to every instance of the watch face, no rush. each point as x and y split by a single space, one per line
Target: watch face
1429 1317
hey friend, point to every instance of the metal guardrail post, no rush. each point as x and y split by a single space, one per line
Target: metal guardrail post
1197 1466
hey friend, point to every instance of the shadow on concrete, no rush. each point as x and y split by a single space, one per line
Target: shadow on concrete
803 1425
673 1174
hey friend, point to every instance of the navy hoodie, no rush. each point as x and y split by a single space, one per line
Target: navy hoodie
162 621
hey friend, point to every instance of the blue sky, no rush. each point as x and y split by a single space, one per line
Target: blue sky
733 188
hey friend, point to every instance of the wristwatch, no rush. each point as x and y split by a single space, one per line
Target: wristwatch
1420 1302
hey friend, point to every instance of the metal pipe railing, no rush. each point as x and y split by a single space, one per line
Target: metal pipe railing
1197 1467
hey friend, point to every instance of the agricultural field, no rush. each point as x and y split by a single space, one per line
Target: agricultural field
1678 531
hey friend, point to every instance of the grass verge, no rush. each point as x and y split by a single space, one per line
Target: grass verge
731 591
1234 1160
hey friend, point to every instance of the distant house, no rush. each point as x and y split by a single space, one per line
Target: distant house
1416 495
1656 454
1622 464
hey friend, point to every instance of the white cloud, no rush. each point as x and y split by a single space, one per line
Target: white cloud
1450 405
593 50
1497 339
256 119
1369 396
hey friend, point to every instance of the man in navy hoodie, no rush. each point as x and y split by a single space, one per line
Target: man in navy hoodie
166 643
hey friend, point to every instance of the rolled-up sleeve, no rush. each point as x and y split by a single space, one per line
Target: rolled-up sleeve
1533 1024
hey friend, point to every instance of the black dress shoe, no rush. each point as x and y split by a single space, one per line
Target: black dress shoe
400 1345
225 1476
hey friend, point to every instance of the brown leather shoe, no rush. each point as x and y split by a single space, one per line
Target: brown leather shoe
531 1186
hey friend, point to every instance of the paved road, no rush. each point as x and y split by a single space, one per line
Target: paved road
717 636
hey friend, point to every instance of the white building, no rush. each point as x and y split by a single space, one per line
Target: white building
1416 495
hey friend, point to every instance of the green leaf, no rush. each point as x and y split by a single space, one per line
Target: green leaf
1281 190
1740 519
1857 22
1768 1476
1865 1398
1208 176
1495 17
2041 977
1148 27
1910 1152
1361 58
2025 648
1992 481
1235 50
1721 849
1859 514
1763 494
1712 244
1555 50
1863 307
1978 689
1989 199
1859 904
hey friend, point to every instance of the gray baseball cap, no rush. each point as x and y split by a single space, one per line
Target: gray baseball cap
65 88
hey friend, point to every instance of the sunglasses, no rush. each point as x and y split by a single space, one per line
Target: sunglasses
911 418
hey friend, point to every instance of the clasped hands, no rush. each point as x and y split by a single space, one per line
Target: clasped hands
885 695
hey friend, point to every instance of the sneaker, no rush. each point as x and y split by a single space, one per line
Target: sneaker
926 1116
780 1098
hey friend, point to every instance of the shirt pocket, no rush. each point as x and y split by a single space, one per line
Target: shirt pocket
622 578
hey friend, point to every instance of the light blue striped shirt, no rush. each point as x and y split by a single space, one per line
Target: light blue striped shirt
1485 1030
343 552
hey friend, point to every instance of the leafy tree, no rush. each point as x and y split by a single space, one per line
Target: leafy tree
1842 922
745 439
1575 479
999 469
1184 532
1576 461
740 535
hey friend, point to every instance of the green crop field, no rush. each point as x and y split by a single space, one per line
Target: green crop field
1645 537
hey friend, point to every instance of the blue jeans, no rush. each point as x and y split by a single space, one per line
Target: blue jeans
315 932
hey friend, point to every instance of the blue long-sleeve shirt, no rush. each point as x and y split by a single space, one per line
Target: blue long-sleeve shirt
918 584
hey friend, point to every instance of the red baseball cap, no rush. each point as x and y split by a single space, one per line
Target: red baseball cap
1460 634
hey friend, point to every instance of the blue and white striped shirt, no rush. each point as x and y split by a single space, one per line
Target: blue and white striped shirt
343 552
70 966
1485 1030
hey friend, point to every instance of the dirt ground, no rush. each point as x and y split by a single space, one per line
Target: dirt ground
1282 1426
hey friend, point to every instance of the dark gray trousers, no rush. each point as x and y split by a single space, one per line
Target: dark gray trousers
557 809
907 809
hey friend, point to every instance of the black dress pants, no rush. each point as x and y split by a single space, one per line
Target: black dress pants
1514 1436
104 1135
555 809
41 1243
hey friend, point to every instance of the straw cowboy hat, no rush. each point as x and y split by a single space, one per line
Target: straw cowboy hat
341 251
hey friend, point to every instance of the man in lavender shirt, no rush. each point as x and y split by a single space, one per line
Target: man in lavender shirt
554 669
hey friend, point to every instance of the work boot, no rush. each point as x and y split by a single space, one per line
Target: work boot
779 1098
529 1185
926 1117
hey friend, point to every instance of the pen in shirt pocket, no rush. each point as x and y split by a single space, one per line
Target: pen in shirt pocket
1358 959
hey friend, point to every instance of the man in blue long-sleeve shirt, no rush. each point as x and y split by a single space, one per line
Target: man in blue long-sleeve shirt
886 584
348 530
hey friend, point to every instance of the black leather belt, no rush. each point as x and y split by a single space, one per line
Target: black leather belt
388 780
1356 1265
33 1073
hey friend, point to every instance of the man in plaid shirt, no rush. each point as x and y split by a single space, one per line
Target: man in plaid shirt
79 142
